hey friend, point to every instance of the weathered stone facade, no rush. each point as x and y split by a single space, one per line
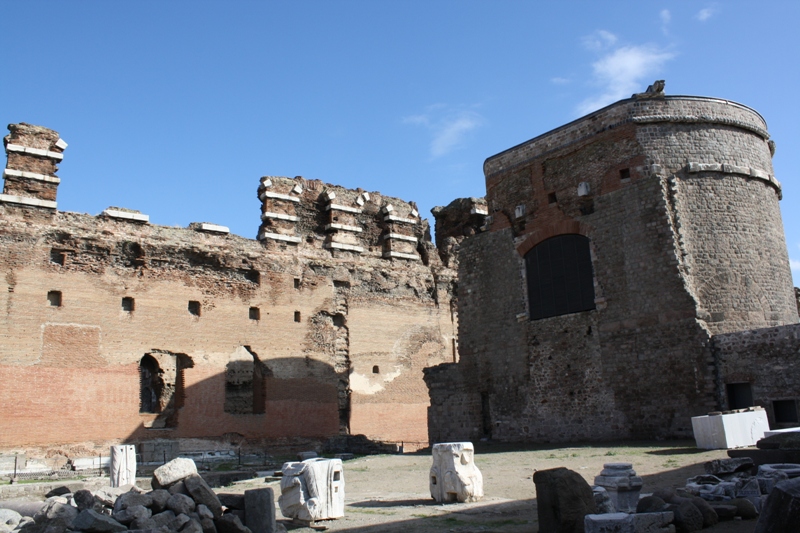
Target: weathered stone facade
674 201
117 329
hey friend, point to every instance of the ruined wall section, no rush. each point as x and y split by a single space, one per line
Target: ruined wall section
658 186
266 339
30 174
768 360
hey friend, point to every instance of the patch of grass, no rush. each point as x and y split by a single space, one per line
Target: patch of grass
370 511
610 453
507 522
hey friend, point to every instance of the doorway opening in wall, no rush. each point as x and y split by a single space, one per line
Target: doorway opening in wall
560 277
245 377
785 411
161 388
740 395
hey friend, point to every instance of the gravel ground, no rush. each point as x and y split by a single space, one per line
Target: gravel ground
389 493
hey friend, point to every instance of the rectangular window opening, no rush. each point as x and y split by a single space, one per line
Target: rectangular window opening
57 257
54 297
625 174
128 305
297 316
785 411
740 395
296 283
551 198
255 313
194 307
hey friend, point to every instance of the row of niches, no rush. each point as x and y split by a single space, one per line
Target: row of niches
194 307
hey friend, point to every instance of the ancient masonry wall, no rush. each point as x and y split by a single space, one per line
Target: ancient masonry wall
767 362
677 198
116 329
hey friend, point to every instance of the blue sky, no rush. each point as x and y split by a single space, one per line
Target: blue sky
176 108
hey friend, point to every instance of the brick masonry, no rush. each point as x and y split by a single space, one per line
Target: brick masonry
678 200
324 339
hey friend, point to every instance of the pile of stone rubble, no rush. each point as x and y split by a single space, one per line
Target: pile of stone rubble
183 502
730 489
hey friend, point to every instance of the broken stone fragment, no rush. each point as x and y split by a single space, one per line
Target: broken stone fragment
728 466
230 523
563 499
160 497
94 522
781 514
454 475
202 494
131 499
9 517
180 504
173 471
259 507
131 513
232 501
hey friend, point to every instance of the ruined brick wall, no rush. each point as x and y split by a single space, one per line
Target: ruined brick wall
767 361
653 186
114 328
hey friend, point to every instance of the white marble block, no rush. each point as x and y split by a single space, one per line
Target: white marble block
312 490
454 475
733 430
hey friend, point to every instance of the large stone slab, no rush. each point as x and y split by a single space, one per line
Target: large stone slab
259 510
563 499
174 471
733 430
454 475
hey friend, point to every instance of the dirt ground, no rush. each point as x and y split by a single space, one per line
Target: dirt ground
389 493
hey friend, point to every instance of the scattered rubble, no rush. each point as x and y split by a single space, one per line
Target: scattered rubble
183 503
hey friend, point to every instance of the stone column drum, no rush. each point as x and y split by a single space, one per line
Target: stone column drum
622 484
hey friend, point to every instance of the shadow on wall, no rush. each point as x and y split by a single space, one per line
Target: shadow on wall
253 400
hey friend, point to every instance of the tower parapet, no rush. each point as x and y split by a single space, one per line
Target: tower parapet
30 174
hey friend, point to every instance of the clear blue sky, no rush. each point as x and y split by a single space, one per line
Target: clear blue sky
176 108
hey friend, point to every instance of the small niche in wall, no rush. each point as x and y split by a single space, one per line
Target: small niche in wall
625 174
253 276
296 283
128 304
255 313
54 297
376 370
297 316
785 411
194 307
551 198
57 257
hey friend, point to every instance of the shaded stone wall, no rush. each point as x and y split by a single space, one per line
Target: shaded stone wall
677 199
278 337
767 359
